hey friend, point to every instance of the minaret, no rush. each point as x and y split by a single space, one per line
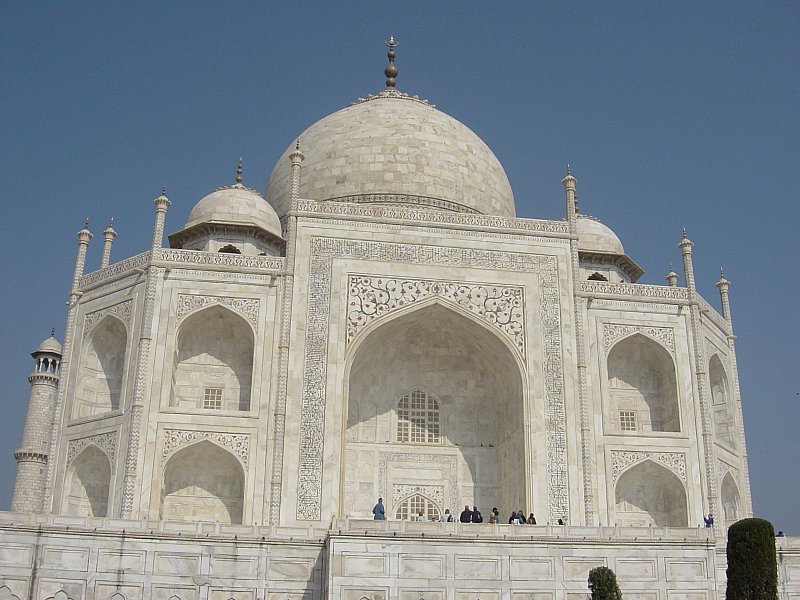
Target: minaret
287 290
162 204
108 238
84 235
672 277
33 454
701 374
723 285
587 465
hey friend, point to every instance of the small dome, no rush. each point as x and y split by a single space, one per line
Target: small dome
396 149
593 236
50 345
235 205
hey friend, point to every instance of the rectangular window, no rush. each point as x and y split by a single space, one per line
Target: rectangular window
212 398
627 420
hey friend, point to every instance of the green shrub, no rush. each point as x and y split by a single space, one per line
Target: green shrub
603 584
752 568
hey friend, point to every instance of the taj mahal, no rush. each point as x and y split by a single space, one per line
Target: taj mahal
226 407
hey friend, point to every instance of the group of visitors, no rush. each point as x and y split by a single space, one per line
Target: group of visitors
468 515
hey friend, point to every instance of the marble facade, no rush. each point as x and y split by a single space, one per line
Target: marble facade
378 324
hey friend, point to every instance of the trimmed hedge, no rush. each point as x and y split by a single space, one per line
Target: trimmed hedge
752 567
603 583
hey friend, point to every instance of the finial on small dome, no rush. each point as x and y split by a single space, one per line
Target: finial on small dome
86 223
164 190
239 171
391 70
568 170
297 144
53 332
111 222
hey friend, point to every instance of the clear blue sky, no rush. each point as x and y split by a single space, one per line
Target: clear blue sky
671 113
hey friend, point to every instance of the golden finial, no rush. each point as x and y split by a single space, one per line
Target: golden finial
721 273
239 172
164 190
86 223
684 232
391 70
568 170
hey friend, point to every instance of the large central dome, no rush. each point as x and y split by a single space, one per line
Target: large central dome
395 149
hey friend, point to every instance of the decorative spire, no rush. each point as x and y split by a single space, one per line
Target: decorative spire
297 144
164 190
239 172
684 232
53 332
672 277
568 170
391 70
86 223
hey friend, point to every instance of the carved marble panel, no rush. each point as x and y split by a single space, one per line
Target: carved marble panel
614 331
622 459
247 307
107 442
122 310
372 297
312 426
237 443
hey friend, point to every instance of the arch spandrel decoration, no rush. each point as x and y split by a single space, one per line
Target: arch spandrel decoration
612 332
312 424
122 310
107 442
246 307
176 439
622 460
371 297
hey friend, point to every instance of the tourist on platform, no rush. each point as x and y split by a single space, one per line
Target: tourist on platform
466 515
521 517
378 511
709 520
477 517
560 521
513 519
531 519
421 518
494 516
448 516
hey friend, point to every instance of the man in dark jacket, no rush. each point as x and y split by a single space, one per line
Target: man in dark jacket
466 515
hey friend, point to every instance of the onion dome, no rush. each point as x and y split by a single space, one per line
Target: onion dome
51 346
593 236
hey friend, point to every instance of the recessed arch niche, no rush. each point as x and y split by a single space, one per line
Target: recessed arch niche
477 456
642 387
721 405
101 374
650 494
203 482
89 481
729 498
213 361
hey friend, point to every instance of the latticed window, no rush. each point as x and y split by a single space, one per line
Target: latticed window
627 420
212 398
410 508
418 419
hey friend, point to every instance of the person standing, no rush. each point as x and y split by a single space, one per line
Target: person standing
709 520
448 516
477 517
531 519
379 513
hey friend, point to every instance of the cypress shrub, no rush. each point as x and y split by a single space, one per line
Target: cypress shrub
603 583
752 568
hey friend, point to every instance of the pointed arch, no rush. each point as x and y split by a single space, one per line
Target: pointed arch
203 482
117 596
410 507
730 500
89 482
7 594
101 374
213 365
476 377
60 595
647 494
721 403
643 390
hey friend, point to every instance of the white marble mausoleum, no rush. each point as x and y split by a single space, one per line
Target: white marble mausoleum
226 409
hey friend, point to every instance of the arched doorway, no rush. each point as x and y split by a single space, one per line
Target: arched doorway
729 496
101 373
721 404
203 482
89 481
642 385
435 410
650 494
